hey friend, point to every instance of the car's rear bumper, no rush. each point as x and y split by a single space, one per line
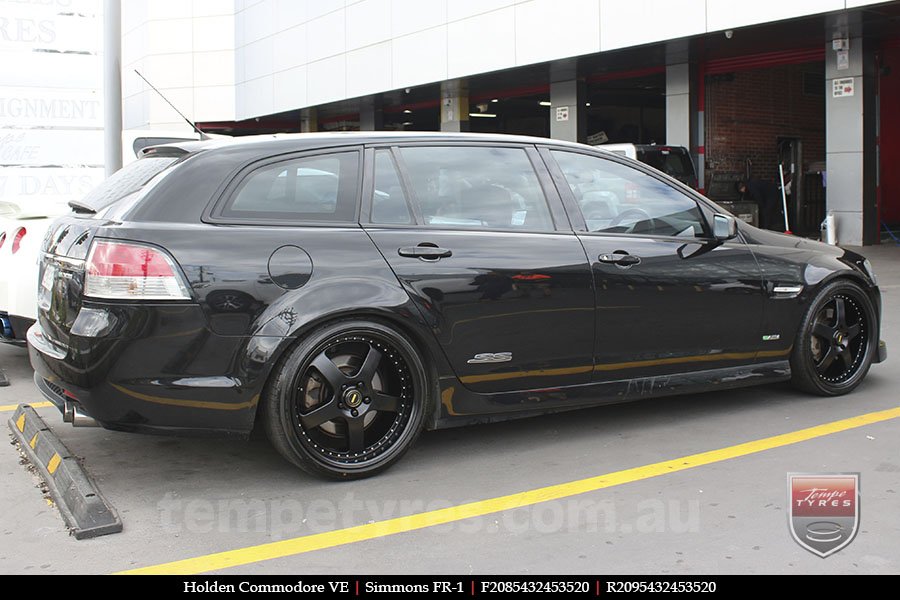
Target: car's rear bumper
153 383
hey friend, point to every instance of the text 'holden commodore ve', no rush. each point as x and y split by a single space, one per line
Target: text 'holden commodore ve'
350 290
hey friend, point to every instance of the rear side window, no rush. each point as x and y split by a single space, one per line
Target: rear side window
315 188
388 201
477 186
127 180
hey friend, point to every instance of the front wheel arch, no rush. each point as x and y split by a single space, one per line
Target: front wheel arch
827 357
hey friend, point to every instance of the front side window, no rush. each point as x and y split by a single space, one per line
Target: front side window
315 188
616 198
477 186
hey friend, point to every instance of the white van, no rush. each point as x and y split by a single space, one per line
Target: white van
674 161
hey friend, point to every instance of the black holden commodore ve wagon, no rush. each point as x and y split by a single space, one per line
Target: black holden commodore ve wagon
348 291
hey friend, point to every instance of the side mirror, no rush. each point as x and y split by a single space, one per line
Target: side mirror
724 227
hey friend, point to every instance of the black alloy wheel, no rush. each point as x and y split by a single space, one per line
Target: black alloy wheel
348 400
836 343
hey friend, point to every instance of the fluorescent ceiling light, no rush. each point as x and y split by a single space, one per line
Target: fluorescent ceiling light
544 103
489 115
407 112
495 100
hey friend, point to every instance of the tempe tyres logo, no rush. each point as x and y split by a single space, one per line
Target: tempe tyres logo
824 513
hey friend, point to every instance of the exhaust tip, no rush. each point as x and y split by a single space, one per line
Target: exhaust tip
68 413
73 413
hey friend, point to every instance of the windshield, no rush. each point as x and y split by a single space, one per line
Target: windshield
125 181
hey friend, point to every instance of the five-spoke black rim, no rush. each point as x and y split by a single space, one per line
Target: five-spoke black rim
839 339
353 400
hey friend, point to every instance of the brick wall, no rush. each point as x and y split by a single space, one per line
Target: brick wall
747 111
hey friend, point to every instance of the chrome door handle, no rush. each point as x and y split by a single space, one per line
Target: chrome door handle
622 260
424 252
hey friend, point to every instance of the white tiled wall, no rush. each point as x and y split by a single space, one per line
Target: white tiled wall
294 53
186 49
659 20
484 42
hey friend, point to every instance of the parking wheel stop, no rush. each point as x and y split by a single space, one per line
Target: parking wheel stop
84 509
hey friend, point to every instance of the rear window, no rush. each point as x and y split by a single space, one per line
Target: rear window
127 180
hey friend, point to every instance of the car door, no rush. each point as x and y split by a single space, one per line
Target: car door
670 298
479 239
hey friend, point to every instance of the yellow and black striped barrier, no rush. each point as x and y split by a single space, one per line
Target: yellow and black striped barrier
84 509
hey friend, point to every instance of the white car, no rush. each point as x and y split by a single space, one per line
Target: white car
22 229
21 235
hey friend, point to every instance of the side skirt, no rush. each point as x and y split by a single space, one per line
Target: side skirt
461 407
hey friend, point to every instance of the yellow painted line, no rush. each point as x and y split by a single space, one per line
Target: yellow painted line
33 441
20 422
12 407
53 465
339 537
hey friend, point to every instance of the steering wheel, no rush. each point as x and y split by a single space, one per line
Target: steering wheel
640 214
595 210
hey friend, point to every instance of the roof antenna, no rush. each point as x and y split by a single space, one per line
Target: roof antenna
193 125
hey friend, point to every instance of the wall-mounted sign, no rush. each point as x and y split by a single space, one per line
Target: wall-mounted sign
597 138
843 60
30 26
36 186
51 148
842 87
562 113
47 107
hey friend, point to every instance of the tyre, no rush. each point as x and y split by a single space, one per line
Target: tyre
348 400
836 342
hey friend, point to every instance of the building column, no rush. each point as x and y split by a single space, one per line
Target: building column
678 105
698 124
112 86
371 117
568 118
846 188
455 105
309 120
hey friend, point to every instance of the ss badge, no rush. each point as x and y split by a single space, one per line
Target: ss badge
490 357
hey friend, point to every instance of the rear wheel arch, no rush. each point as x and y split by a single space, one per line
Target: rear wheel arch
306 412
417 336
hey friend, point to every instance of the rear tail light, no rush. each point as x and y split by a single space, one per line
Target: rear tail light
130 271
17 239
2 239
